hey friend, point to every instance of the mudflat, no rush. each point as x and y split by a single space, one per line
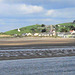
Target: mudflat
37 42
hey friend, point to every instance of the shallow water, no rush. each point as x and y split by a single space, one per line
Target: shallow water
39 66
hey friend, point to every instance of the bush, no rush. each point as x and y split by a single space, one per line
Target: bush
43 30
42 25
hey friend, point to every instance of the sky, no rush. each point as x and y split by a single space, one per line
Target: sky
20 13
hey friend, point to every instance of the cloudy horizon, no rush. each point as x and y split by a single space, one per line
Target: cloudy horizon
20 13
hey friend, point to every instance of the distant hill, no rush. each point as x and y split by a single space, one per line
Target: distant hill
27 29
63 27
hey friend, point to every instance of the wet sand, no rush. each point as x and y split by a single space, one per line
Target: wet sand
37 41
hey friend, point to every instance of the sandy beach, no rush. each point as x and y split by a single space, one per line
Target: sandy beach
29 41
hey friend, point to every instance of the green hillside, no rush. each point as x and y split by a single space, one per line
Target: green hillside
68 24
27 29
65 27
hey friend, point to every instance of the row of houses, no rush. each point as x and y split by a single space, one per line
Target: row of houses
59 34
70 34
35 34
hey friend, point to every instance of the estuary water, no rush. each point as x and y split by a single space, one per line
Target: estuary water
39 66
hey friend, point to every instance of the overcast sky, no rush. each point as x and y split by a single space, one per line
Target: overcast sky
20 13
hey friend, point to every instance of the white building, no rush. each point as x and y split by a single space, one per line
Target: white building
73 32
19 30
29 34
36 34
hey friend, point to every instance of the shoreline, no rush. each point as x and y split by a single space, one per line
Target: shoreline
2 59
49 53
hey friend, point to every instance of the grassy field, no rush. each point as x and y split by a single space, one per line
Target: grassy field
68 24
28 29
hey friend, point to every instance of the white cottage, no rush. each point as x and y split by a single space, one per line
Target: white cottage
19 30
